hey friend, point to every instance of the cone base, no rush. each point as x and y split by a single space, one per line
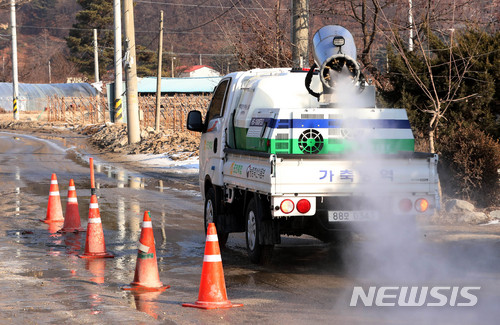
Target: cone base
212 305
97 255
51 220
72 230
141 288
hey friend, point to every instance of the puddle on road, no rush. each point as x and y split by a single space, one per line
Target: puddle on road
123 196
109 175
122 178
147 302
120 211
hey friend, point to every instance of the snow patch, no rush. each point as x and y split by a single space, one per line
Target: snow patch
492 222
164 161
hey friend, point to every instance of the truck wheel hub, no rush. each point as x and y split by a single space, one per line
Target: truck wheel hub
209 212
251 230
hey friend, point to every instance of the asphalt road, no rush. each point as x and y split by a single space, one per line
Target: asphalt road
44 282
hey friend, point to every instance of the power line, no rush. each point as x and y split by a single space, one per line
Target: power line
167 31
209 21
205 6
174 53
186 11
110 30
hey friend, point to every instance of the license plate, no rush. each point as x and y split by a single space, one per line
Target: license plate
337 216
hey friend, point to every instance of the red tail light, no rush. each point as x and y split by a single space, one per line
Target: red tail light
405 205
303 206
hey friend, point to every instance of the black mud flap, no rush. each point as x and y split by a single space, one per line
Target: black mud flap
269 232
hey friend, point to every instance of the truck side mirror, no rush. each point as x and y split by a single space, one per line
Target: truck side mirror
194 121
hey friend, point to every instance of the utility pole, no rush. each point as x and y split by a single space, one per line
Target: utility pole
50 74
300 32
158 75
118 111
277 51
173 58
134 135
410 22
15 86
96 72
96 58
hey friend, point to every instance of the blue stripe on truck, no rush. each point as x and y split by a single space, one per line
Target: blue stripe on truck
327 123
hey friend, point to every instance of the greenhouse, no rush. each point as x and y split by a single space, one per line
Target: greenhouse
34 97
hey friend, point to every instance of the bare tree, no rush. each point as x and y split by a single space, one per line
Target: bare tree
429 39
260 42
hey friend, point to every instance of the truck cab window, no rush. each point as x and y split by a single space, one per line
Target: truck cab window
216 108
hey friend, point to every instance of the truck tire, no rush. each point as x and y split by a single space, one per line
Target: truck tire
211 214
258 253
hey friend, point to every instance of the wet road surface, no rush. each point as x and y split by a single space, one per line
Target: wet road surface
44 282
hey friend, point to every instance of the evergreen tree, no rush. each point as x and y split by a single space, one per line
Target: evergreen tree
95 14
482 109
98 14
147 62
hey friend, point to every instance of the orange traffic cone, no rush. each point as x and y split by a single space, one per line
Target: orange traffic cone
146 276
54 208
212 292
72 216
95 246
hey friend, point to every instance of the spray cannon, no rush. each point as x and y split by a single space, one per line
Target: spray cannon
335 56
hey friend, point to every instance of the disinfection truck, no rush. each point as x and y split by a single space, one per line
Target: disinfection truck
290 152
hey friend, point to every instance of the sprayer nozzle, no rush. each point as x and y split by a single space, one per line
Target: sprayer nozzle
335 55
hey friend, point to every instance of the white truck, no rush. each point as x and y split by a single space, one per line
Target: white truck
277 157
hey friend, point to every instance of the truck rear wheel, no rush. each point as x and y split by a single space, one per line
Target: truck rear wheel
211 214
258 253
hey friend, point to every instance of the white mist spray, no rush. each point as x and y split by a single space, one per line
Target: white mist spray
391 246
392 260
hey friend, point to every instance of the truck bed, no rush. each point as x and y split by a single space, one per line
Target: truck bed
331 175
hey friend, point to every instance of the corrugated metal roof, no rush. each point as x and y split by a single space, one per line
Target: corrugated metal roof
33 97
178 85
